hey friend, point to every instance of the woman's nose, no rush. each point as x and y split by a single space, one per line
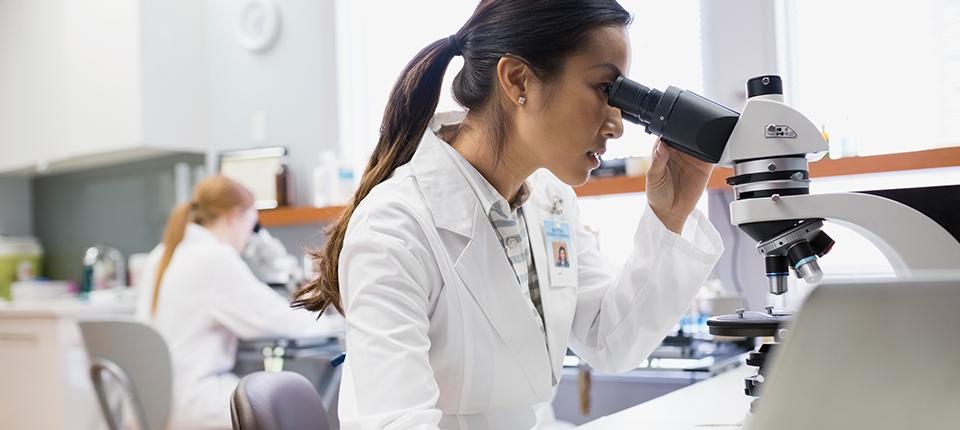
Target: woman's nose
613 126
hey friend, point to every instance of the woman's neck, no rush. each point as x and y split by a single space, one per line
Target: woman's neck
505 173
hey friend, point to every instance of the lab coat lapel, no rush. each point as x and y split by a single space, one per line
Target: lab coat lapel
481 264
446 192
486 271
558 303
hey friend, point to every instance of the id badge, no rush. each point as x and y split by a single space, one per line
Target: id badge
560 252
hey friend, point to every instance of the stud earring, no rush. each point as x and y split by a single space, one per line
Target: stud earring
522 100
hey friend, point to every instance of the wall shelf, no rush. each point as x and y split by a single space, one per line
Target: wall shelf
299 215
928 159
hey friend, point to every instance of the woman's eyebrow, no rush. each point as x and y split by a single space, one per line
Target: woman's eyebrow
612 68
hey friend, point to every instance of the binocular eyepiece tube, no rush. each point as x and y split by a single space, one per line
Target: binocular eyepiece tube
686 121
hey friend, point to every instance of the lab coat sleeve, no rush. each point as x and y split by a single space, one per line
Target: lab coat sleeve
250 309
385 290
624 313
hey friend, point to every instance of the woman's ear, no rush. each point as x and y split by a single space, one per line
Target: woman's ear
514 77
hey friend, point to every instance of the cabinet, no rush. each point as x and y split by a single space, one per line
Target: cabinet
46 384
88 83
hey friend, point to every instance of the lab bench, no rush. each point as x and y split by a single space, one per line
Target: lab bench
717 403
655 377
669 369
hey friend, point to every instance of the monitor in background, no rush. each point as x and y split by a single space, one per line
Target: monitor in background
263 171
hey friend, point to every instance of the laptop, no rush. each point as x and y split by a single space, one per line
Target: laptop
881 354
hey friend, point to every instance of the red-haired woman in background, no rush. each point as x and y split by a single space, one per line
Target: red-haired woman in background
203 298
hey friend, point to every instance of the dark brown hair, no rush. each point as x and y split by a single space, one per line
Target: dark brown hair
542 33
212 198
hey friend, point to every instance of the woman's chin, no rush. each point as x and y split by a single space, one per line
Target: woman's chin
576 179
573 176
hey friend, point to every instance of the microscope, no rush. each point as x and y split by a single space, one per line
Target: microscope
270 262
769 146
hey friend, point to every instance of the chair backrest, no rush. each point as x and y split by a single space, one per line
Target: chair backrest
275 401
136 356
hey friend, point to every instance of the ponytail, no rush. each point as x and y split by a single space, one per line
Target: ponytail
410 107
172 236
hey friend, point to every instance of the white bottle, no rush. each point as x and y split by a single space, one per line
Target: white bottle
345 182
325 180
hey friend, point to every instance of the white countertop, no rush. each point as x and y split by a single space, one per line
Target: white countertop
72 308
717 404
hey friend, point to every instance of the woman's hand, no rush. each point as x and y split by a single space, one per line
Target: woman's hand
675 182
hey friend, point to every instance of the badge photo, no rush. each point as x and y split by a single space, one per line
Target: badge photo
559 245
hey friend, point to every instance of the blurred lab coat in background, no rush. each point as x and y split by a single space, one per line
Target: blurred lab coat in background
209 300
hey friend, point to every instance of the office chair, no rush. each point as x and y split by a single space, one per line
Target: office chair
277 401
137 360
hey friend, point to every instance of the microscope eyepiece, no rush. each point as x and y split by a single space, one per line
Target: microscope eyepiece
685 120
635 101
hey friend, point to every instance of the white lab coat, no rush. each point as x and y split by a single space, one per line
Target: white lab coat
438 334
209 299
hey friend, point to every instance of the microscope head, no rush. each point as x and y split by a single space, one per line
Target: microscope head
770 149
770 129
768 146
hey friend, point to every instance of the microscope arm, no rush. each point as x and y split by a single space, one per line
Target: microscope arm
907 238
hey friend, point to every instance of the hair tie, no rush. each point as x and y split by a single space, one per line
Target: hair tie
455 46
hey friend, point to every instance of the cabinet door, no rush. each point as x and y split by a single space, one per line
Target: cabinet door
31 67
70 80
101 53
46 384
30 393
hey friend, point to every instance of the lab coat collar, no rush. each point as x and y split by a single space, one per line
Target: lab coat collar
444 175
198 233
441 182
489 196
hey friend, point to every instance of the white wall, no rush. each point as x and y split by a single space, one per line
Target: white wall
738 43
292 85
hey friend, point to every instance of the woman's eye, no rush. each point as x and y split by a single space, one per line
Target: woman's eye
605 88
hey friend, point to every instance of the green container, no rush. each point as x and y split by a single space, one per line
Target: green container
20 259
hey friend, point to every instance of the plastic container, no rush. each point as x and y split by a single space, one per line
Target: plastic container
346 185
325 180
20 258
333 181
